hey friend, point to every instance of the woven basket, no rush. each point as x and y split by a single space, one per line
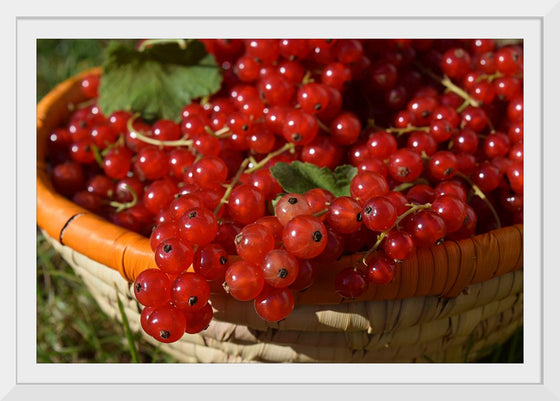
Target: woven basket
449 303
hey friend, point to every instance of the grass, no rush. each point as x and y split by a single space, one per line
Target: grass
71 328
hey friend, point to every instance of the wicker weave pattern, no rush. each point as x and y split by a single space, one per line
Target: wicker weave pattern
418 329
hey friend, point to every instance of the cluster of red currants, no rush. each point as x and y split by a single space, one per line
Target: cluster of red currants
433 127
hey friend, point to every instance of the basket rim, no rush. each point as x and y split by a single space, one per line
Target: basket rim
444 270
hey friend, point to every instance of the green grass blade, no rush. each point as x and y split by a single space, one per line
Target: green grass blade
128 332
515 353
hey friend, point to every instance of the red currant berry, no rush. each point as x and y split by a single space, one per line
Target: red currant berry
405 165
344 215
426 228
421 194
152 163
350 283
313 97
87 200
379 214
90 86
246 204
380 269
227 230
487 177
198 226
211 261
305 236
452 210
367 184
509 61
68 178
159 195
274 304
244 280
197 321
190 291
441 130
101 186
514 175
280 268
290 206
474 118
253 242
162 232
167 323
455 63
345 128
423 108
451 187
116 163
515 109
208 172
172 256
152 288
294 49
399 245
307 273
381 145
442 165
468 228
496 145
275 89
336 75
300 127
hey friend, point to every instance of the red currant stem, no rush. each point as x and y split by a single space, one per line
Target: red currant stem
370 123
491 126
450 86
252 161
97 154
463 106
204 100
407 129
413 209
323 126
478 192
232 183
152 141
117 143
149 42
446 81
321 212
198 157
287 147
75 106
489 77
307 78
221 133
122 206
406 185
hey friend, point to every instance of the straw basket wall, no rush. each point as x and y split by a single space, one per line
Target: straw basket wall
450 303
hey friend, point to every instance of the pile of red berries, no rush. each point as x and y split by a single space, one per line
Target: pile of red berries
434 129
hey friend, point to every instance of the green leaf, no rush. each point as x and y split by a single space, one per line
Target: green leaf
158 81
299 177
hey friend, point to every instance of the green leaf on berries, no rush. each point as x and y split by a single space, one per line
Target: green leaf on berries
299 177
158 81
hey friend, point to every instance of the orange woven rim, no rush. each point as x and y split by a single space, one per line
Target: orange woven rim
444 270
